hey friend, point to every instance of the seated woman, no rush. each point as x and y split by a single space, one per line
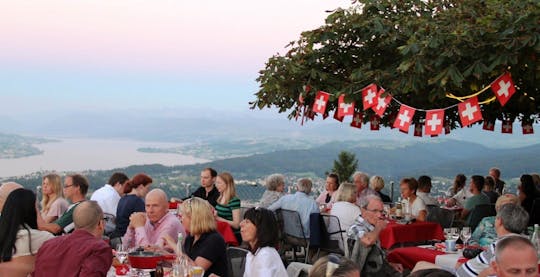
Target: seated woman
133 201
345 208
20 237
416 204
527 193
204 246
275 184
228 206
328 197
259 230
377 184
484 234
53 205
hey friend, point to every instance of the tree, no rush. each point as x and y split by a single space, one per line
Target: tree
345 165
418 50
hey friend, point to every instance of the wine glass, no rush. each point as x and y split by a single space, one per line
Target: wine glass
455 233
448 233
465 235
121 253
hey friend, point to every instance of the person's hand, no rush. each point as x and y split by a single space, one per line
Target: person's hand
381 224
451 202
137 220
397 267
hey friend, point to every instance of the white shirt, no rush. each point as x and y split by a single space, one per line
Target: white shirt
462 196
107 198
265 263
428 200
23 244
417 206
346 212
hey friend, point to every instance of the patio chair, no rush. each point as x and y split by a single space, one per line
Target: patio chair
293 232
110 224
333 238
236 261
478 213
440 215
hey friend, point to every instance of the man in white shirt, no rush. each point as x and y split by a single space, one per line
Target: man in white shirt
424 188
108 196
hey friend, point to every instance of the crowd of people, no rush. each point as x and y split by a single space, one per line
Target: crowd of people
62 234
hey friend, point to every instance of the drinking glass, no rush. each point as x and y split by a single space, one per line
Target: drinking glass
121 253
455 233
465 235
448 233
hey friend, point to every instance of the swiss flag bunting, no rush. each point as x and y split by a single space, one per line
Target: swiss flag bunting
344 108
337 117
503 88
404 118
418 129
319 105
507 127
527 128
357 120
469 111
369 96
374 123
488 125
446 129
381 103
434 122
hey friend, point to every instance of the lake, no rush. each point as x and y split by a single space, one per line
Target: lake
78 154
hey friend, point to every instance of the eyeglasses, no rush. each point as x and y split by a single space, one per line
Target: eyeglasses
68 186
375 211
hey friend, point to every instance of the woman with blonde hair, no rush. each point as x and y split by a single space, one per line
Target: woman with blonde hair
228 206
204 245
53 204
345 208
377 184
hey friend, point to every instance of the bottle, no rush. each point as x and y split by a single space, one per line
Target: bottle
159 270
535 239
406 209
399 212
179 244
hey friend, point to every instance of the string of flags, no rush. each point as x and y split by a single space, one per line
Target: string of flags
374 97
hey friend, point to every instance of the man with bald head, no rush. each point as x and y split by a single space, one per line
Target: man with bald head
151 228
515 256
81 253
5 190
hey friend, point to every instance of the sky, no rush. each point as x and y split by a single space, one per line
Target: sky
122 54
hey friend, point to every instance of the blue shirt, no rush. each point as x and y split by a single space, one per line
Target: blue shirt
299 202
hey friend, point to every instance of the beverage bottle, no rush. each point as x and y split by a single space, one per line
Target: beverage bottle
535 239
399 211
159 270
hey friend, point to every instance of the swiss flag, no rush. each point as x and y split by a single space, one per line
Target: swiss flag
434 122
369 96
503 88
488 125
381 103
357 120
404 118
374 122
337 117
325 115
418 130
469 111
344 108
507 127
319 106
527 128
311 115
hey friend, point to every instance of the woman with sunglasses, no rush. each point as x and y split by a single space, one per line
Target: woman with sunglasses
259 231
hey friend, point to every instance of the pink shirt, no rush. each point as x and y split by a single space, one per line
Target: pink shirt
154 234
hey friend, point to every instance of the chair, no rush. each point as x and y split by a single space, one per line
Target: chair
479 212
236 261
442 216
110 224
333 240
534 213
293 232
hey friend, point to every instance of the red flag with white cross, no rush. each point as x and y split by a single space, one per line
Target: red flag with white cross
344 108
488 125
469 111
337 117
418 129
374 122
404 118
369 96
319 105
381 102
507 127
504 88
357 120
527 128
434 122
447 129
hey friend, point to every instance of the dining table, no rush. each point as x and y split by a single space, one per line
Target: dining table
409 256
411 232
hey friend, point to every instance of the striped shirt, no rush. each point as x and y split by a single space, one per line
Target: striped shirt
473 267
225 211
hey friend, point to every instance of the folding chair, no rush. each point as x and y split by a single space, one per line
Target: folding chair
236 261
333 240
293 232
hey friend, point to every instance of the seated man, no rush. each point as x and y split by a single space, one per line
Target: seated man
109 195
82 253
477 198
361 181
75 188
152 228
515 256
299 202
367 252
511 220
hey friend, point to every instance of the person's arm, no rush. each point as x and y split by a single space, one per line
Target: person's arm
372 237
97 263
421 215
137 222
202 262
49 227
464 213
235 223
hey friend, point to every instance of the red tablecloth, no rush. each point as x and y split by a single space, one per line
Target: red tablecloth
414 232
409 256
226 231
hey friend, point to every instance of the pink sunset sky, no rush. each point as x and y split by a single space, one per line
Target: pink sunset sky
153 52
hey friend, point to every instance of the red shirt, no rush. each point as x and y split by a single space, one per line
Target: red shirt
77 254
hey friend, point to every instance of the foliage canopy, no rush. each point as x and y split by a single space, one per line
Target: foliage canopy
418 50
345 165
